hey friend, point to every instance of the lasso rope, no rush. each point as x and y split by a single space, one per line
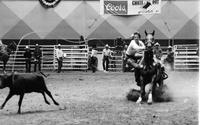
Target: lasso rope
18 47
30 33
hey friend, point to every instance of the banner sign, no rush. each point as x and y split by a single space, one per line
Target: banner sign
130 7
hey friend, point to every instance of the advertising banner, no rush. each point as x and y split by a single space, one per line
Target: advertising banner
130 7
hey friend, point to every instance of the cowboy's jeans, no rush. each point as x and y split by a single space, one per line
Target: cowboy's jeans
28 64
105 63
60 61
37 62
94 63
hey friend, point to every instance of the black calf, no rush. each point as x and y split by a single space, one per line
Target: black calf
19 84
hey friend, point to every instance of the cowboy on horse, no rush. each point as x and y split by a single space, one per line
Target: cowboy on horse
147 70
134 54
2 48
5 52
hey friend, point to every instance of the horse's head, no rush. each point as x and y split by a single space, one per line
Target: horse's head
148 54
149 40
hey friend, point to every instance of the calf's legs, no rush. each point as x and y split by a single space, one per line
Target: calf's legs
49 94
20 102
7 98
45 99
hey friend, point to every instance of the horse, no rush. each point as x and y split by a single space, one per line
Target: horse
5 52
151 74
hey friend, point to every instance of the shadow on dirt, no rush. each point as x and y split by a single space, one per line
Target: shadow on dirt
36 111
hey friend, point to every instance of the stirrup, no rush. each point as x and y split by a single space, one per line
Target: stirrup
164 75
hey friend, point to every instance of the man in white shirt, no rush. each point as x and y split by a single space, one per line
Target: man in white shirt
59 57
135 52
106 55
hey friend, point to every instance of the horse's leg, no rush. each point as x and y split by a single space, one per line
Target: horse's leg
142 90
150 98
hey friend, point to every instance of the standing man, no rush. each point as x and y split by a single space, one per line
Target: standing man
106 55
27 56
170 57
94 60
124 65
59 57
37 57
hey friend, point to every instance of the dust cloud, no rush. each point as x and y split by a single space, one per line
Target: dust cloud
179 84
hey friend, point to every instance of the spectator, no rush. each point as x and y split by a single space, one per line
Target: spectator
37 58
170 57
94 60
106 55
157 53
124 65
59 57
27 56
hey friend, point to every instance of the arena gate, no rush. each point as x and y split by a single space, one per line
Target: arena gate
76 57
186 57
116 62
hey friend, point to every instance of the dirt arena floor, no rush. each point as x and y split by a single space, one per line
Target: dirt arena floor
100 99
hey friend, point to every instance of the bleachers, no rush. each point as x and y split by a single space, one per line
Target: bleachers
186 57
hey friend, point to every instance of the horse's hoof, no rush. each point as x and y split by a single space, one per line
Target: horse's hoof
149 101
139 101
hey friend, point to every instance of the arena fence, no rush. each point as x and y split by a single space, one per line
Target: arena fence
76 59
116 61
186 57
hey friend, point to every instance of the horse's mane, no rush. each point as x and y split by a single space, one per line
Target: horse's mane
148 58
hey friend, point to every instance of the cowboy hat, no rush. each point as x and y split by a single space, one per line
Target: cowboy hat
106 45
157 44
169 47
